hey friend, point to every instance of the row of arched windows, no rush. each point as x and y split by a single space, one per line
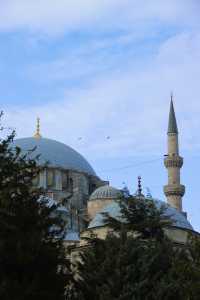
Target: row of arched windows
66 181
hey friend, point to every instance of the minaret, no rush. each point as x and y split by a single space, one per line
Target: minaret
174 191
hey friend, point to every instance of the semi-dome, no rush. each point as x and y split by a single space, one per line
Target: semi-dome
105 192
114 210
56 153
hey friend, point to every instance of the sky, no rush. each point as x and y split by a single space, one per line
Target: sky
99 74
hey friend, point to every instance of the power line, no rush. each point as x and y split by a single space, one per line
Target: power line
132 165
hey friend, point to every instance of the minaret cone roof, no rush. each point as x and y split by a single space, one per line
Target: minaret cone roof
172 125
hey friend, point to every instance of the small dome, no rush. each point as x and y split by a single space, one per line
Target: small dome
114 210
56 153
105 192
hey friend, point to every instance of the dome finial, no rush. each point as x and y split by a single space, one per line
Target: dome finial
37 135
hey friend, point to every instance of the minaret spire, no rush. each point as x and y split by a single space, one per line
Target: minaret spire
172 125
174 191
37 135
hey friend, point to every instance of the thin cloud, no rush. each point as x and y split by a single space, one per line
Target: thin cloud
130 107
62 16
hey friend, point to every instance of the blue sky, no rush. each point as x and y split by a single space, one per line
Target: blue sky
98 68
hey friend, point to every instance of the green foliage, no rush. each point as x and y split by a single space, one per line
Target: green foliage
32 261
147 265
139 215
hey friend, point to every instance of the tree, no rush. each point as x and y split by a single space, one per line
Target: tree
32 256
146 265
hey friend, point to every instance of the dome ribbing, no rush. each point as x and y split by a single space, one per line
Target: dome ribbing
105 192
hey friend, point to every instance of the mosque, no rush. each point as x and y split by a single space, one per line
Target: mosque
70 180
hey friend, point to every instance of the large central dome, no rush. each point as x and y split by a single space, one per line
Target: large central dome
56 153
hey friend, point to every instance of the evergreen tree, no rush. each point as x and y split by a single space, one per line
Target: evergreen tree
32 261
137 261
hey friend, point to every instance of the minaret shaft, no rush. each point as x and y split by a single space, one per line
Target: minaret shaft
173 175
173 147
174 191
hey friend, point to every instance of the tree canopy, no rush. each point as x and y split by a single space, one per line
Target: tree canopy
146 265
32 256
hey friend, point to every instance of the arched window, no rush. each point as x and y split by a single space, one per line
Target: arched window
71 185
65 180
50 178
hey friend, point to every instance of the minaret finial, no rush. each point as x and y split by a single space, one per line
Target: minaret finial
37 135
139 186
172 96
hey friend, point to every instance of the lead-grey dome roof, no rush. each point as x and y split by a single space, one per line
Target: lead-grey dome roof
105 192
114 210
56 153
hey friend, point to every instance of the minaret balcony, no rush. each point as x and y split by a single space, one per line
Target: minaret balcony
173 161
174 190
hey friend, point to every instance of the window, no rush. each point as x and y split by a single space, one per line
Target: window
71 185
65 180
50 178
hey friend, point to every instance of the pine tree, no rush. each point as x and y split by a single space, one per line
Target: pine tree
32 256
146 265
